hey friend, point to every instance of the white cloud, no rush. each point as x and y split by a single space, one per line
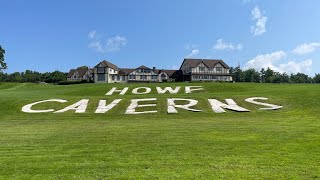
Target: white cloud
193 53
260 27
115 43
92 34
111 44
265 60
272 61
306 48
295 67
96 45
221 45
190 46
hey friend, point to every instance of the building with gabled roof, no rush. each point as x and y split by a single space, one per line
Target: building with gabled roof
80 74
205 70
190 70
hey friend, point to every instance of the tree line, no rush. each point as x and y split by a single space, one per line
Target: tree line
270 76
33 76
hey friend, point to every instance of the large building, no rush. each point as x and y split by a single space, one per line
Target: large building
190 70
205 70
80 74
106 72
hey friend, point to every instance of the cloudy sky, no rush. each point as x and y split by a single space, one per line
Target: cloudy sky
59 35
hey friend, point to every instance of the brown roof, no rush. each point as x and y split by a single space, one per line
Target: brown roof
81 71
170 72
125 71
210 63
108 64
143 67
71 72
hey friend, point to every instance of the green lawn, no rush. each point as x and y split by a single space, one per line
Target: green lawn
280 144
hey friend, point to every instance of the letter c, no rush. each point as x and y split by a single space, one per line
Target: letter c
27 108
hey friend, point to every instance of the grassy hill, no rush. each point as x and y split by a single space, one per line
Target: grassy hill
280 144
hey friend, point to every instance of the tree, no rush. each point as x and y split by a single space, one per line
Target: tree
263 75
300 78
316 79
237 74
251 75
269 75
3 65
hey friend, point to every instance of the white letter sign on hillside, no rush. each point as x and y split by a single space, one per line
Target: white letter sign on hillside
78 107
172 105
27 108
137 90
171 91
114 89
103 107
189 89
270 106
218 106
134 104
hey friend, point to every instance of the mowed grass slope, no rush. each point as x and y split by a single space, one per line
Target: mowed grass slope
281 144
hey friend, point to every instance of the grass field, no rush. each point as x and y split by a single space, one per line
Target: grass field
281 144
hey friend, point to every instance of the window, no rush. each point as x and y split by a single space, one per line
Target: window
74 76
195 77
201 68
205 77
132 76
113 77
143 77
154 77
101 77
219 69
163 76
101 70
123 78
118 78
144 70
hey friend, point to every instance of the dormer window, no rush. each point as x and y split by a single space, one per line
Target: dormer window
101 70
219 69
201 68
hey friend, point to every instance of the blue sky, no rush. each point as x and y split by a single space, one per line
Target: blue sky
59 35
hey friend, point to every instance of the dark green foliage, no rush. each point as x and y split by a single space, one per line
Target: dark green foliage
33 76
316 79
3 65
270 76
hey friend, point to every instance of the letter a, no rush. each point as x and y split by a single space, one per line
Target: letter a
79 107
103 107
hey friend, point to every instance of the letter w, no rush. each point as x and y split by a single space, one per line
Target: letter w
171 91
